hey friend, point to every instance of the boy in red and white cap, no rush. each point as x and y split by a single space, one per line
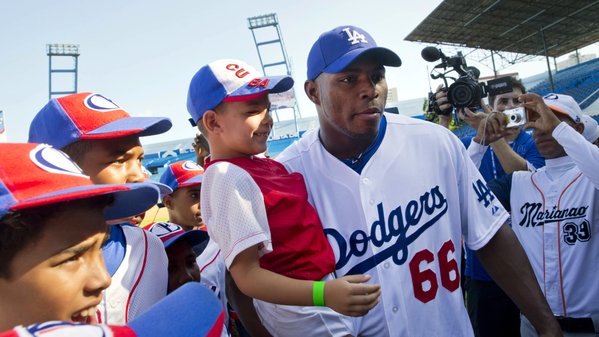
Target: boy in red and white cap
271 238
183 203
103 139
52 226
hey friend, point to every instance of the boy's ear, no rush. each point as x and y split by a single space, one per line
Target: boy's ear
210 121
311 89
167 200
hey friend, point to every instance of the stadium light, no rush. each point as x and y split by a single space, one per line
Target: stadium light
262 21
62 49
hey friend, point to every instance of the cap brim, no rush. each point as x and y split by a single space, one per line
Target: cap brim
141 126
385 56
275 85
193 237
559 110
129 199
164 189
190 310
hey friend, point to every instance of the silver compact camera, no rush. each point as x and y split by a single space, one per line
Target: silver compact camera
515 117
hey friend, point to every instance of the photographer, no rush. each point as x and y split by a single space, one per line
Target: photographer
496 153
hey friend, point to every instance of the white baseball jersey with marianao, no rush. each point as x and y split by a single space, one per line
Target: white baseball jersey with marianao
402 221
555 214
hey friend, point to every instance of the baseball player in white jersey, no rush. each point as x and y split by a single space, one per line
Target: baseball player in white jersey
103 139
396 195
555 214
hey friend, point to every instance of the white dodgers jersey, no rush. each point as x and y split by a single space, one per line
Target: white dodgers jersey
401 221
140 280
556 221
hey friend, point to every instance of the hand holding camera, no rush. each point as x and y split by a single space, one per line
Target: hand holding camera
539 115
473 118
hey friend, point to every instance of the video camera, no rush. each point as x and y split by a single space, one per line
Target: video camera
465 91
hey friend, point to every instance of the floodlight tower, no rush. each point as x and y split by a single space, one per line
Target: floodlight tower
267 37
62 51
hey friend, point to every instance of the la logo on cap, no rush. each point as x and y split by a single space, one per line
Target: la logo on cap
354 36
100 103
54 161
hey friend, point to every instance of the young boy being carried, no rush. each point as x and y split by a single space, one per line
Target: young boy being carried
103 140
271 238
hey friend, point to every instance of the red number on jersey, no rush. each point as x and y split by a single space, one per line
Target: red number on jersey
448 268
420 277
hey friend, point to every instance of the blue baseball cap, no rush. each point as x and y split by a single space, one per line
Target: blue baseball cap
229 80
170 233
190 310
87 115
336 49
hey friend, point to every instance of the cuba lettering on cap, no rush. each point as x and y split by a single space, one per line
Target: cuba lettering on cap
229 80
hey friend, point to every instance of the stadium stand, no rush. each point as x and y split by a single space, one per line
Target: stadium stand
580 81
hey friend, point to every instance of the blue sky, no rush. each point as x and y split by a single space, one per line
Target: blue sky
142 54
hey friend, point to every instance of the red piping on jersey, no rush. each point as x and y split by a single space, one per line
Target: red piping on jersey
218 325
240 240
543 237
143 267
209 263
559 250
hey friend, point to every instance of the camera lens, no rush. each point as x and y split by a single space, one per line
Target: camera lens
464 92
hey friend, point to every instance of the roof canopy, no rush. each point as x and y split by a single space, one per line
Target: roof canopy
512 25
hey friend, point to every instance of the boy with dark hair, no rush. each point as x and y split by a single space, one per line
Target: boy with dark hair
104 141
52 226
179 245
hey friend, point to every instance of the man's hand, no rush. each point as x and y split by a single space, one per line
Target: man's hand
491 126
442 106
350 296
540 115
474 119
